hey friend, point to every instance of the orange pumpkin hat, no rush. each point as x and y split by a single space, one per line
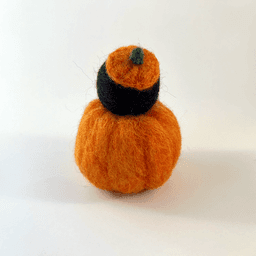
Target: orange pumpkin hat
128 140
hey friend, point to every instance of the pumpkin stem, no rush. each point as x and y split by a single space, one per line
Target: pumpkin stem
137 56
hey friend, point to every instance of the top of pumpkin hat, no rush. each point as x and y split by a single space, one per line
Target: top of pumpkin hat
132 66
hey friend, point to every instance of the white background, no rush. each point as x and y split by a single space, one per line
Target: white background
50 52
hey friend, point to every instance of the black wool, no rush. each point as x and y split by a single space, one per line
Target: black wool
124 100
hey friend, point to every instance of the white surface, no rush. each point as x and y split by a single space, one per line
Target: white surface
50 52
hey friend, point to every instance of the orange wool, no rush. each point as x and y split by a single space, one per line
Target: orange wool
127 153
122 70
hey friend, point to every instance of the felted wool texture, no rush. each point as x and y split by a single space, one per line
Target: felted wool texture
127 154
124 100
122 70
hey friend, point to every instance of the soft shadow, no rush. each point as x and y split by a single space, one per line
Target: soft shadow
216 185
43 168
206 184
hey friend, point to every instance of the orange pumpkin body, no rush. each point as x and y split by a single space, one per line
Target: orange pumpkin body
126 153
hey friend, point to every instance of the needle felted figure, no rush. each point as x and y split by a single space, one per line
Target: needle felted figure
127 140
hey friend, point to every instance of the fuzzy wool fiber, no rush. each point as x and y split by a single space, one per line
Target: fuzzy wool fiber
122 70
127 154
127 140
